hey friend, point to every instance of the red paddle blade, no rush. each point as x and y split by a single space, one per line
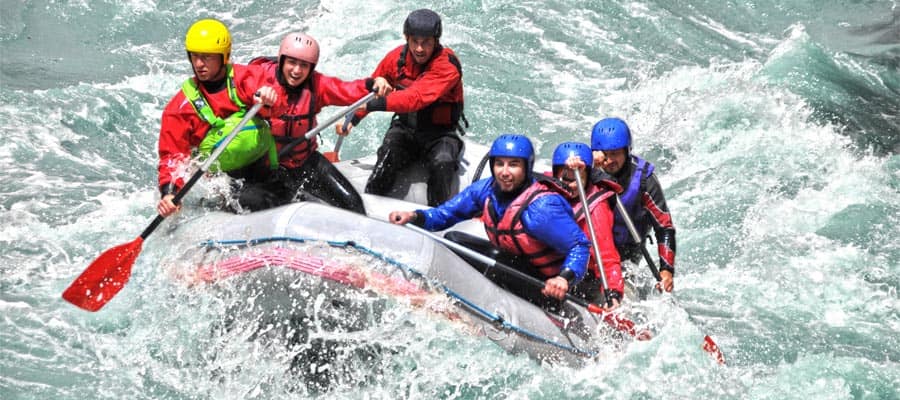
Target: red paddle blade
713 349
620 323
331 156
105 277
626 325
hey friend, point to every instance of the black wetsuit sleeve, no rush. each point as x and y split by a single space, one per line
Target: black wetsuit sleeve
658 211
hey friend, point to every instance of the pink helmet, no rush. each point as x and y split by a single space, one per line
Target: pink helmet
300 46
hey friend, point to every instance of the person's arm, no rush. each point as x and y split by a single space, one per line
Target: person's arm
178 122
260 78
177 125
249 78
439 79
464 205
332 91
387 69
654 202
550 220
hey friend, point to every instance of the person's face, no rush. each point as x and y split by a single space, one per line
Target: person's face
611 161
509 172
295 71
208 67
421 47
567 176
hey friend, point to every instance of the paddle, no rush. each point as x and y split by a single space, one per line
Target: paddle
709 345
335 154
618 322
106 276
309 135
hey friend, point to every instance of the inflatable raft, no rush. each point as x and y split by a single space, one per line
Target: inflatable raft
312 262
287 260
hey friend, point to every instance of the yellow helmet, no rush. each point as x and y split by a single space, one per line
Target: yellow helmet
208 36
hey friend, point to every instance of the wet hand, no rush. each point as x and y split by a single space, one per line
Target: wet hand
667 283
599 158
381 87
401 217
575 162
343 129
556 287
611 305
165 207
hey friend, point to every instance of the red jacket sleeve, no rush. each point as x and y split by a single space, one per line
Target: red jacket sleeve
437 80
655 203
248 79
177 134
331 91
387 69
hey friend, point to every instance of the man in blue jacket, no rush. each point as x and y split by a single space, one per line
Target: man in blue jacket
522 216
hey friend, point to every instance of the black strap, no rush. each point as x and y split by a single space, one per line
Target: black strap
480 169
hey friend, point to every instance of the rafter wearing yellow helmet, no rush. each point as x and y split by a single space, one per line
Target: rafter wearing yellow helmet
209 36
205 111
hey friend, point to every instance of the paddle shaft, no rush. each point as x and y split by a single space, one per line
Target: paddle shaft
340 139
494 263
313 132
594 244
637 238
337 147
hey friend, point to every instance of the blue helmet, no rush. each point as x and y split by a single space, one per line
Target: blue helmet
610 134
568 149
424 23
513 145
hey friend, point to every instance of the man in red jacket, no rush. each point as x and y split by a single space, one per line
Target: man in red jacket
428 104
207 104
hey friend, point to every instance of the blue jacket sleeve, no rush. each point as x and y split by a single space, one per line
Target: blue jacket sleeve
550 220
464 205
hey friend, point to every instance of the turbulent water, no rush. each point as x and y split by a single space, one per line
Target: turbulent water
775 126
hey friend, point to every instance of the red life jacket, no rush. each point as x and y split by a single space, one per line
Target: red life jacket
296 120
507 232
595 197
442 114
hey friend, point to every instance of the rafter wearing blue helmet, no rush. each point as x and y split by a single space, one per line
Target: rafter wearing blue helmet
572 158
642 196
522 217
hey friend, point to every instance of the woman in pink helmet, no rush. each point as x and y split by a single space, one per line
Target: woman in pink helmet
299 92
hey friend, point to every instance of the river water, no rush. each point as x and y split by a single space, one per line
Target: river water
774 125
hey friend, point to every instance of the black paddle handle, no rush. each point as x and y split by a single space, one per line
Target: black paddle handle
493 263
634 235
177 200
534 281
347 120
650 263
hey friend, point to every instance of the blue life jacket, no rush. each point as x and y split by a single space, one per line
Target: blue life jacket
631 199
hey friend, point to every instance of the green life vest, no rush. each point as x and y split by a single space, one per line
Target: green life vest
251 143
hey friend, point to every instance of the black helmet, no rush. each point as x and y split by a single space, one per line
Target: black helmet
423 22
